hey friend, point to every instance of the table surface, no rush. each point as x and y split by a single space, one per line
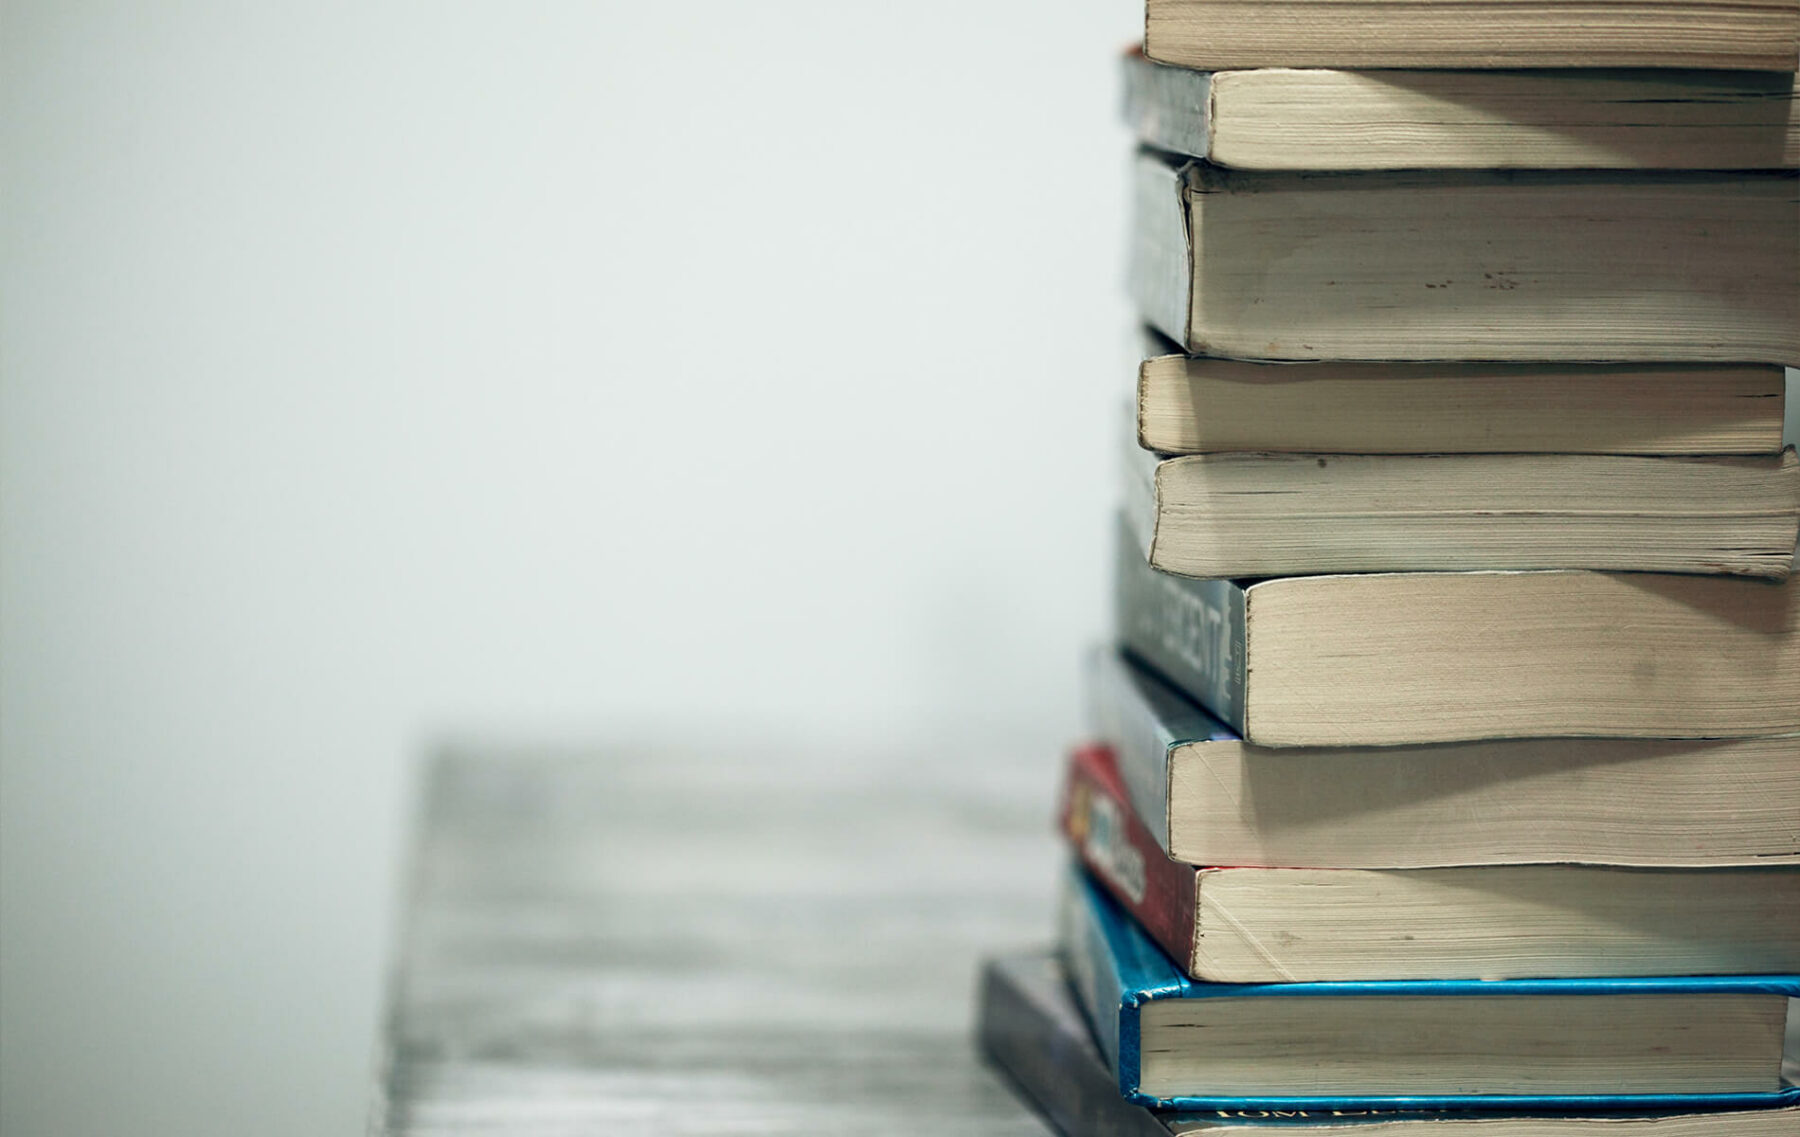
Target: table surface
711 941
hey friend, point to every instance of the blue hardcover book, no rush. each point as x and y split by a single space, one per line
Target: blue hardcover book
1519 1044
1029 1027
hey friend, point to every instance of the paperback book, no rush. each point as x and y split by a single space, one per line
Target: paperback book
1659 266
1287 118
1206 797
1757 35
1387 659
1255 515
1203 405
1281 925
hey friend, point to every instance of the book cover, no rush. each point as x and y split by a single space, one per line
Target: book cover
1117 848
1143 721
1189 629
1116 971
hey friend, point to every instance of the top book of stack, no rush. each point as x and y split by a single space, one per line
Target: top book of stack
1216 35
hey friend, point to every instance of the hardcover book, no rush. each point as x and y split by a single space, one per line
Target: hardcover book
1281 118
1029 1027
1252 515
1387 659
1695 1042
1474 265
1756 35
1209 798
1283 925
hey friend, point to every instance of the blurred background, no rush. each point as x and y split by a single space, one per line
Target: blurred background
377 375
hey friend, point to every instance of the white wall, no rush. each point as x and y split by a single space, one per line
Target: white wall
376 372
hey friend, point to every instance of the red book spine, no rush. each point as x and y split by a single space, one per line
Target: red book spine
1119 851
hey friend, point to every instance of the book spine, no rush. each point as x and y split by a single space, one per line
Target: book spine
1120 852
1093 970
1119 717
1160 276
1169 108
1189 630
1048 1054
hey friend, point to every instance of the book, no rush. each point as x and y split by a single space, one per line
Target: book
1213 35
1209 798
1388 659
1028 1026
1282 925
1516 1044
1201 405
1283 118
1655 266
1252 515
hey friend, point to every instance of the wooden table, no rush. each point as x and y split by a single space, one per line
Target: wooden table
712 941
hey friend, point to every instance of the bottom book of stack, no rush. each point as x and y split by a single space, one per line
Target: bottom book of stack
1029 1027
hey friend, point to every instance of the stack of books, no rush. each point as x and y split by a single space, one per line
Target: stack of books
1445 770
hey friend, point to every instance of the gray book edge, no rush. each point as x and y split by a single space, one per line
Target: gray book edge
1120 716
1161 254
1169 108
1190 631
1144 720
1028 1027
